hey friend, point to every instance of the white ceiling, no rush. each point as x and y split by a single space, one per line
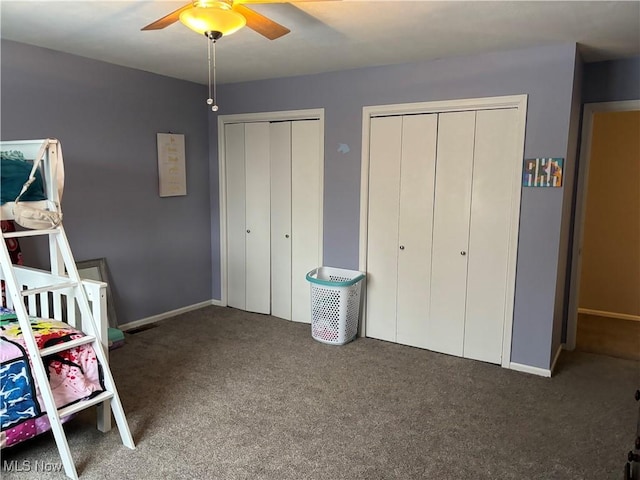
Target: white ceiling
325 35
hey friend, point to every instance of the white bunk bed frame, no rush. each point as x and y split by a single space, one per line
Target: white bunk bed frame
49 305
58 293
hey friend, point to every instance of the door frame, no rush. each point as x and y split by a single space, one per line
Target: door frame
590 109
277 116
518 102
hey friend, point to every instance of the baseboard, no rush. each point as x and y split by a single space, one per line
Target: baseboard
161 316
602 313
542 372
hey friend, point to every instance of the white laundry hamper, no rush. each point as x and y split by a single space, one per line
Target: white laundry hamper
335 304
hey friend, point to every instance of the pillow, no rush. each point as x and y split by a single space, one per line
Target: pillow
14 171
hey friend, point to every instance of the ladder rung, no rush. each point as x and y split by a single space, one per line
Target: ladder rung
48 288
31 233
83 404
76 342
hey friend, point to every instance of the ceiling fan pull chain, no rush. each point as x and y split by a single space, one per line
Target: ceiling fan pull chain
211 100
215 95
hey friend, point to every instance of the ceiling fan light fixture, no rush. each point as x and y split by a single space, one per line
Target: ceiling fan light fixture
212 16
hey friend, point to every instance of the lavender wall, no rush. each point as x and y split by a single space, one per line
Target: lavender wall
106 116
612 81
546 74
568 211
161 252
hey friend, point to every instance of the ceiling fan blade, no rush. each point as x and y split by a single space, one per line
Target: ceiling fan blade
261 24
167 20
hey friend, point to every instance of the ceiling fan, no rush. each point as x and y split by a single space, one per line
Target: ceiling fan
223 17
215 18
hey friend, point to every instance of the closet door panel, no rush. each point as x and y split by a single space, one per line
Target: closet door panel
235 185
280 144
306 207
451 231
258 236
385 150
493 172
417 174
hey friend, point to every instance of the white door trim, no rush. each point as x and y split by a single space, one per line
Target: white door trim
512 101
286 115
581 195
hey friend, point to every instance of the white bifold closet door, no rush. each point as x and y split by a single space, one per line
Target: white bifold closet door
236 215
248 211
440 199
306 218
451 232
402 168
473 200
281 219
494 163
274 215
295 215
258 225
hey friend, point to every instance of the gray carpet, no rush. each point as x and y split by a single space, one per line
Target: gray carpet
223 394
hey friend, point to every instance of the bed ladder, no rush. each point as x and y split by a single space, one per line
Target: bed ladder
71 286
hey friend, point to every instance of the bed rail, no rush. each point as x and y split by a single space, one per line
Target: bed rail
60 304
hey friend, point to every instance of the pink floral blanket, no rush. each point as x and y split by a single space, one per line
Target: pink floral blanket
74 374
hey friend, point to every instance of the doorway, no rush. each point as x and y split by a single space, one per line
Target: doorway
604 304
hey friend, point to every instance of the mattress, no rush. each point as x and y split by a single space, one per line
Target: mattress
74 374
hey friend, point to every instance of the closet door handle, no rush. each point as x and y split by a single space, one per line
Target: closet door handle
401 247
248 231
463 253
286 235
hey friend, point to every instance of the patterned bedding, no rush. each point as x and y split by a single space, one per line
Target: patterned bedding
74 374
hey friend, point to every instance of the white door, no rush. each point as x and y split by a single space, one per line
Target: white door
491 204
236 210
402 168
296 207
472 224
258 243
439 226
248 223
417 175
445 332
274 215
281 219
382 245
306 216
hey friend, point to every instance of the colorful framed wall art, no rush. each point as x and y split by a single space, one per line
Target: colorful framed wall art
542 172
